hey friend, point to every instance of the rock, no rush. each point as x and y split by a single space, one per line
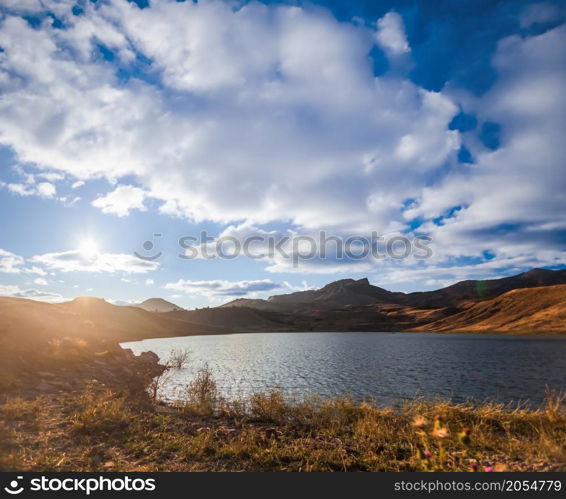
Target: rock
45 374
149 358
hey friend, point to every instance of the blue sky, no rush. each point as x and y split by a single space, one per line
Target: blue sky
121 120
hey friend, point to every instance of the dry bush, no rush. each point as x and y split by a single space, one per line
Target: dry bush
178 358
268 408
201 395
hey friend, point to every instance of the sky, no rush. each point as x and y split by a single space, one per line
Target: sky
126 126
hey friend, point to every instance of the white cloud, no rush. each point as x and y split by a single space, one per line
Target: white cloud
222 287
120 302
236 133
46 189
75 261
40 281
122 200
77 184
391 36
512 199
149 282
543 12
23 6
51 176
31 294
441 275
10 263
299 131
35 270
42 189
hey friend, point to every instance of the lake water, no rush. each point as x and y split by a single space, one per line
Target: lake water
388 366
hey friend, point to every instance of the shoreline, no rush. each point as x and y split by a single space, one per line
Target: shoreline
536 334
108 422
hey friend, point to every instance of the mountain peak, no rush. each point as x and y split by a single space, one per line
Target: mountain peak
364 282
85 300
158 305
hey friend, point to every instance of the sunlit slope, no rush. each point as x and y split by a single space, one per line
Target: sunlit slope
89 318
520 310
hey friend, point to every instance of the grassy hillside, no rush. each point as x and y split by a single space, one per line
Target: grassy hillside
521 310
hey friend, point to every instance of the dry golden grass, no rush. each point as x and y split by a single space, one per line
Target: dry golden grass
99 431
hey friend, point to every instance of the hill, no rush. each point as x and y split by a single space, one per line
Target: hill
334 295
90 319
158 305
347 292
472 305
511 304
522 310
489 288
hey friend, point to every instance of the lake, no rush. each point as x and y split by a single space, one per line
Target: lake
388 366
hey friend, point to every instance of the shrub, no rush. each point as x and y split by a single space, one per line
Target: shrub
202 395
178 358
268 408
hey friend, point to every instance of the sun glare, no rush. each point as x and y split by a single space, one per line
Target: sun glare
88 249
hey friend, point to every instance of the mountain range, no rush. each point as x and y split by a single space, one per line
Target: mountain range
531 302
528 302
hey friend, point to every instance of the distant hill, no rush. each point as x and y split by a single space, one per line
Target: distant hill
480 290
158 305
348 292
89 318
334 295
533 302
356 305
521 310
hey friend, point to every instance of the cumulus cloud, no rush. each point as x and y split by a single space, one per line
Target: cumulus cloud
540 13
299 132
46 189
510 202
223 288
31 294
390 34
122 200
10 263
42 189
75 261
230 133
35 270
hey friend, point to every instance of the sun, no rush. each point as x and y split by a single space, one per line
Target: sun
88 249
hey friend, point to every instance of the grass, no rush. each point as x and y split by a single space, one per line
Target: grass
101 414
100 431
